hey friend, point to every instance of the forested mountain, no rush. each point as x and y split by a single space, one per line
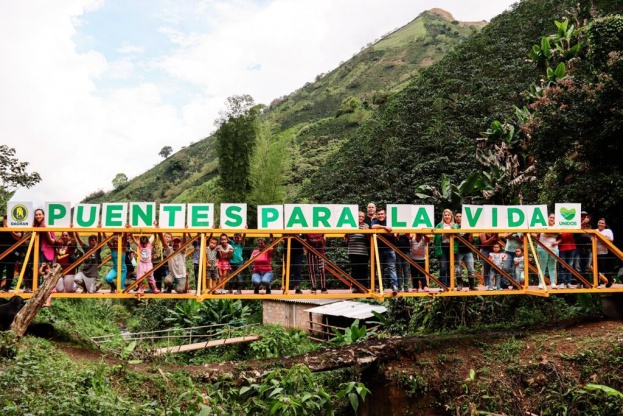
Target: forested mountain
433 127
319 115
521 111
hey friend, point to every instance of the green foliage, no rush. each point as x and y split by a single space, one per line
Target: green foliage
609 391
119 181
9 344
42 380
288 392
13 175
235 141
575 126
423 315
353 334
165 151
275 341
429 128
269 161
125 358
80 319
190 313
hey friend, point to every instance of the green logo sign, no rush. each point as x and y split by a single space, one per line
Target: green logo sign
19 213
567 213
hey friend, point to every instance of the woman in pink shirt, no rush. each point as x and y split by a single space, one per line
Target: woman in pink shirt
262 270
46 244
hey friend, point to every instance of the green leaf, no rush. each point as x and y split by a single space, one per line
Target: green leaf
560 70
354 401
608 390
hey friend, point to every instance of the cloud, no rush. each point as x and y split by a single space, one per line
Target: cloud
82 105
126 48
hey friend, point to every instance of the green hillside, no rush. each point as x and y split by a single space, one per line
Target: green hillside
431 127
321 115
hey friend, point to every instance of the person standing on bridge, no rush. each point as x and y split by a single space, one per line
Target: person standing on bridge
567 254
315 264
111 277
87 277
262 269
144 247
225 253
546 260
387 255
464 255
513 242
371 214
419 248
178 276
236 260
358 254
486 247
46 244
442 246
604 261
65 249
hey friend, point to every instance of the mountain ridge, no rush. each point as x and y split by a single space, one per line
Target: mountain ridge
321 114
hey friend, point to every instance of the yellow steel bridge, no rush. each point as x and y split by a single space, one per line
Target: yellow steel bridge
341 282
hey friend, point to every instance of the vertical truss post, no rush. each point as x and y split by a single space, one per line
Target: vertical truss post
378 269
451 265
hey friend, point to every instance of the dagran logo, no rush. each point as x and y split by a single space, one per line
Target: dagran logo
19 213
567 214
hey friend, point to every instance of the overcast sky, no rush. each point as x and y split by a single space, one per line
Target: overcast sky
89 89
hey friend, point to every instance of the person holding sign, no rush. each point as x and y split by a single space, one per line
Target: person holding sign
262 270
551 241
46 256
442 246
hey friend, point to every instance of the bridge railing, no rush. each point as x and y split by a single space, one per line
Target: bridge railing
28 245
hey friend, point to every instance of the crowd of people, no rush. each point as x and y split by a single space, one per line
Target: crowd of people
143 257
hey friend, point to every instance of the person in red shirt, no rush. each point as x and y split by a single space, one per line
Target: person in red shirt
262 270
566 250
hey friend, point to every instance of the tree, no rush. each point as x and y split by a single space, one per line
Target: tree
120 181
268 166
13 175
235 140
166 151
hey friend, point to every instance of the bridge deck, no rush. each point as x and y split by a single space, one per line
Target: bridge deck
332 294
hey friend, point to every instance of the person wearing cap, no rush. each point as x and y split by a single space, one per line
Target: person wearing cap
178 276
